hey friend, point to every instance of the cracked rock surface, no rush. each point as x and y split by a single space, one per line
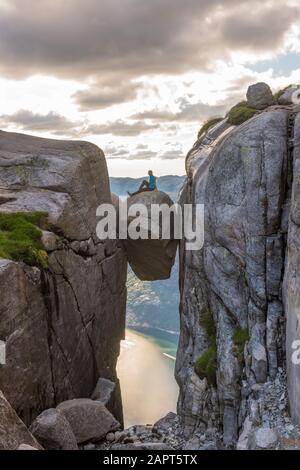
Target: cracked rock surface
246 176
62 326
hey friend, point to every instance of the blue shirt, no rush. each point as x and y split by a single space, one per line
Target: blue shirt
152 182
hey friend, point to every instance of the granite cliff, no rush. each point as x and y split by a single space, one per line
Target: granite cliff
240 289
63 292
61 325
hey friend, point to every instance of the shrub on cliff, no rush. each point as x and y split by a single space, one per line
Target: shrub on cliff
208 324
20 238
206 364
207 125
240 113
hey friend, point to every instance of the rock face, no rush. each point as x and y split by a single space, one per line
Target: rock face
243 175
13 432
259 96
62 325
151 259
292 285
89 420
291 93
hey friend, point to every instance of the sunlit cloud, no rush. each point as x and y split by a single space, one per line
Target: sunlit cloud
139 80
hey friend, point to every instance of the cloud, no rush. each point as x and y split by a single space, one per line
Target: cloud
59 125
172 154
119 128
258 29
188 112
99 96
105 40
142 155
113 151
29 121
142 152
131 155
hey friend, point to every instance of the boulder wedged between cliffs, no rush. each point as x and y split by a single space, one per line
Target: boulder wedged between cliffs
152 259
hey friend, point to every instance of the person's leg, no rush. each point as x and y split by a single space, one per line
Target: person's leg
144 186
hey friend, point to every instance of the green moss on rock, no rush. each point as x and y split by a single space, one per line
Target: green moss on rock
20 237
240 113
240 337
207 322
207 125
206 365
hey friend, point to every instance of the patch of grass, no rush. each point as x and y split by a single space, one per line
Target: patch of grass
206 365
240 337
20 237
240 113
207 125
207 322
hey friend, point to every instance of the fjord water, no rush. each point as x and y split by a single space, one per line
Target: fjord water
147 360
146 372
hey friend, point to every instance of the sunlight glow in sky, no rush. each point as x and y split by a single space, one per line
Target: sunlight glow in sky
139 82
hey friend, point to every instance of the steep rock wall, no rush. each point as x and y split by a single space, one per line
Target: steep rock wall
243 176
292 283
63 325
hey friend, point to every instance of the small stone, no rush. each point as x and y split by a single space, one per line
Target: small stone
290 428
91 249
75 246
89 420
89 446
259 96
128 440
110 437
83 247
265 438
119 436
49 240
53 431
259 362
244 439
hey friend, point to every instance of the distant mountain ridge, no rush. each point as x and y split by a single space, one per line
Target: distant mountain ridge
170 184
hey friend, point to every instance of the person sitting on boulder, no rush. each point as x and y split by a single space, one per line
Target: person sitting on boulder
149 185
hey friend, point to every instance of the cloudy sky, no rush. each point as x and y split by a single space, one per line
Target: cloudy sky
138 77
